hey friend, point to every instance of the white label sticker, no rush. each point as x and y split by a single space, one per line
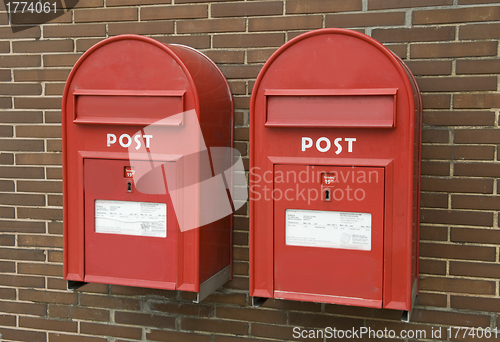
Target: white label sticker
331 229
131 218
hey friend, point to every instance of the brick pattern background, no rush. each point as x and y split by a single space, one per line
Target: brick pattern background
450 45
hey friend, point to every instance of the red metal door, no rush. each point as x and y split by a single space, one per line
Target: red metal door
328 233
141 247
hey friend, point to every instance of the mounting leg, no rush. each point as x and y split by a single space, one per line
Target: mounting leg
258 301
75 285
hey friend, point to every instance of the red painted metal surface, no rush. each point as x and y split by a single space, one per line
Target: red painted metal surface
116 89
335 104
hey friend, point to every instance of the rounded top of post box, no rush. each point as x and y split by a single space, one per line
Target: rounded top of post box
133 37
364 40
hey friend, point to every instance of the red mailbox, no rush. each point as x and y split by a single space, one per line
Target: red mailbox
335 131
145 127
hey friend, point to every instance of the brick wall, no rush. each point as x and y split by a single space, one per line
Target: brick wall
450 45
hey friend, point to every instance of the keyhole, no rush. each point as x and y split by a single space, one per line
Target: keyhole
327 195
129 186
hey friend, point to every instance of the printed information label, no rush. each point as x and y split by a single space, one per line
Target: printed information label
131 218
331 229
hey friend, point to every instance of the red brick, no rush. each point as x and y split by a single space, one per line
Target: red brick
252 315
240 71
238 87
249 40
462 217
23 308
73 31
45 296
47 324
4 47
418 34
227 298
149 28
435 168
110 3
5 102
54 89
442 284
450 318
20 88
285 23
322 321
453 251
433 233
8 320
22 199
110 330
226 56
39 186
476 101
105 14
322 6
76 312
21 172
181 308
55 337
6 33
456 15
473 152
437 267
364 19
456 84
432 299
52 116
4 76
477 169
482 66
22 281
39 213
436 101
39 159
174 336
211 25
83 44
90 3
195 41
480 31
475 303
17 61
457 185
22 335
242 9
53 173
40 46
57 60
215 326
485 236
174 12
475 269
6 131
146 320
37 102
39 269
388 4
109 302
459 118
462 49
259 55
21 117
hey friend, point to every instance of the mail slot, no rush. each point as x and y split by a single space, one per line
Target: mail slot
335 135
147 142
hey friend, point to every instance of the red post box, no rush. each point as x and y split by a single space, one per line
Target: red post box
146 126
335 131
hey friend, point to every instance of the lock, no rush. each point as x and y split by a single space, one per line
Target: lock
129 186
